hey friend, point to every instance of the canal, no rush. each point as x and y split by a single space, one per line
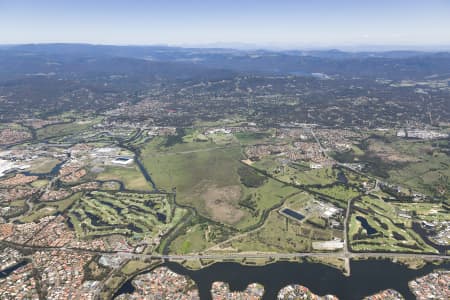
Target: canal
368 277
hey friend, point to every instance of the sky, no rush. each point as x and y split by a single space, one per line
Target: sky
272 24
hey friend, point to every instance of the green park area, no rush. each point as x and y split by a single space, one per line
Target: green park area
298 173
425 211
199 235
212 180
132 214
250 138
43 165
130 176
420 165
44 209
63 129
338 194
280 233
381 227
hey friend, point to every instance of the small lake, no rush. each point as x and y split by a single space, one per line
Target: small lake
161 217
370 230
367 277
11 269
342 178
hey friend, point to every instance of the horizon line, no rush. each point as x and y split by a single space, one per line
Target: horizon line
257 46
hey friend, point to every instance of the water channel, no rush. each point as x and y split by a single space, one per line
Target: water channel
367 277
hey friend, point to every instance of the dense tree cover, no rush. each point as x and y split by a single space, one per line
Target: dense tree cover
250 178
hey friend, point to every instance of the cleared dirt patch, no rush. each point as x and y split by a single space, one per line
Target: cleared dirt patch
221 202
247 162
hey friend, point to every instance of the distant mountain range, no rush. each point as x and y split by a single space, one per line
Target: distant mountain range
17 61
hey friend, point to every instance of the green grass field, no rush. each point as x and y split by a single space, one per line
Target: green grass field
130 176
39 183
62 129
250 138
201 176
206 178
198 236
338 194
43 165
296 173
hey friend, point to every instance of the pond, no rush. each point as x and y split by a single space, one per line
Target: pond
342 178
11 269
161 217
370 230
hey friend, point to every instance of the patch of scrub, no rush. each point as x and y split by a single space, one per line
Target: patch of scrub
221 202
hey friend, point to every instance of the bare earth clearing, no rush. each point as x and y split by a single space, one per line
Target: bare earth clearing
221 202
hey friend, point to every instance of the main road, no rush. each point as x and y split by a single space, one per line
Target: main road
241 255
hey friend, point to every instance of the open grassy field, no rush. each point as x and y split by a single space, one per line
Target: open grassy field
95 271
63 129
213 138
321 176
43 165
250 138
357 179
194 240
39 183
206 177
233 120
134 266
14 126
17 203
296 173
199 235
130 176
338 194
158 146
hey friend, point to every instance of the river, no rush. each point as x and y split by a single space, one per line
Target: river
367 277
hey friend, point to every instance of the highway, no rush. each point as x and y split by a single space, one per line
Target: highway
284 255
241 255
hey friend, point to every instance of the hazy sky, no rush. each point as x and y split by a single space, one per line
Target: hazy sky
318 23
